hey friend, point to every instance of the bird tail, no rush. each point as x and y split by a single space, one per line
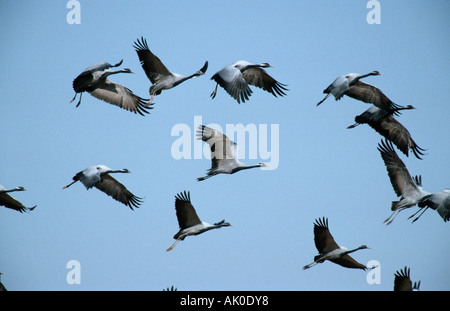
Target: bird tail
204 68
395 205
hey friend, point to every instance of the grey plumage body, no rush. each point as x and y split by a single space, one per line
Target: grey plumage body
188 220
158 74
385 124
223 153
8 201
94 80
99 177
329 250
409 189
236 78
352 86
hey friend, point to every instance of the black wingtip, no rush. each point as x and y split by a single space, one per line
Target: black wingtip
204 68
418 152
405 272
27 209
183 196
140 44
386 146
322 222
118 64
135 202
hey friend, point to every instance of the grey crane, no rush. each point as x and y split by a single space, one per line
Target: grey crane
236 77
330 250
402 281
94 80
385 124
98 176
8 201
188 220
158 74
410 190
352 86
223 153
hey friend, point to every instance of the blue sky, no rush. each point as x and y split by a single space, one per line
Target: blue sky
324 169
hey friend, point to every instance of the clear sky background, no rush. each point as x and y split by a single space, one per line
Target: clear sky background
324 169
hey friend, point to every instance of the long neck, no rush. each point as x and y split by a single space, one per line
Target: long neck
404 108
181 78
12 190
107 73
352 250
367 74
357 78
215 226
245 167
252 66
117 171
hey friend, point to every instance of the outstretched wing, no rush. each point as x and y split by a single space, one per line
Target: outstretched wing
371 94
186 214
387 126
10 202
347 261
401 180
152 65
260 78
222 148
402 281
322 237
120 96
232 81
117 191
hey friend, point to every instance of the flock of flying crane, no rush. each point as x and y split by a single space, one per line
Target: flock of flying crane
236 79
